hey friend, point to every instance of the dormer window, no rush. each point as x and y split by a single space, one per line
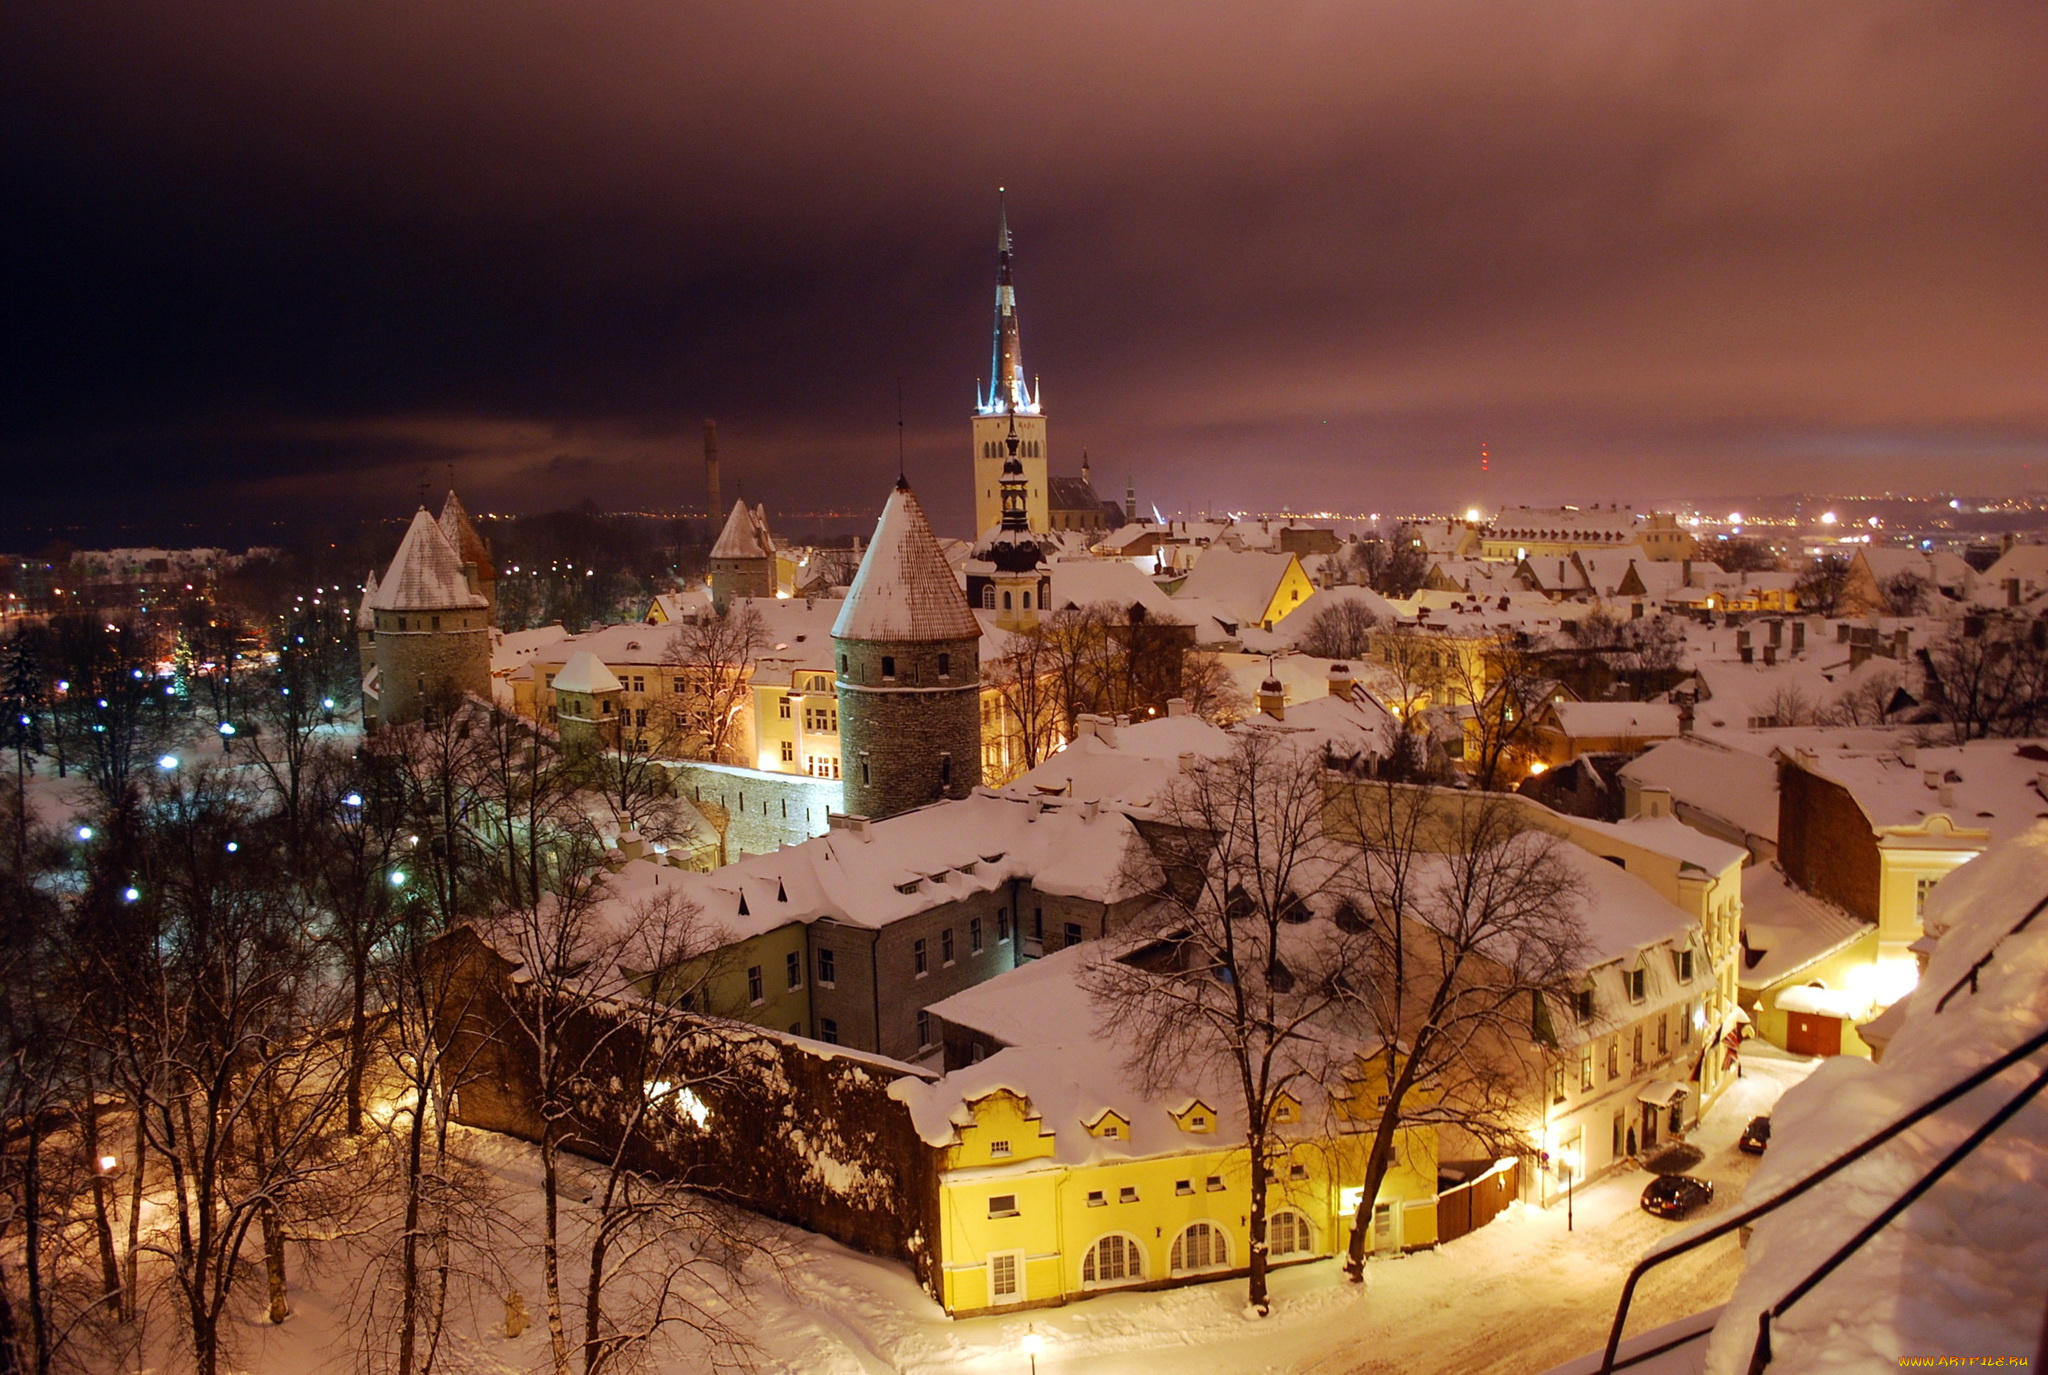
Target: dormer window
1685 958
1638 981
1583 1004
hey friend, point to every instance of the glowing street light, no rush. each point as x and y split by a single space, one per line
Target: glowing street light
398 878
167 762
1032 1345
85 833
131 895
109 1163
1568 1161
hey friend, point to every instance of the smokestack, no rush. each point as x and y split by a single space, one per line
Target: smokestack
717 507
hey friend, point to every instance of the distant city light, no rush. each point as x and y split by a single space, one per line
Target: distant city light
1735 517
1827 518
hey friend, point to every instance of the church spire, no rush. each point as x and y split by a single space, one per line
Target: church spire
1008 392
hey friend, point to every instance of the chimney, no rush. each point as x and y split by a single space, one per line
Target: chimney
1909 755
1685 566
1841 632
1902 640
1777 632
1859 655
1931 777
1178 706
1341 681
1685 715
1273 699
711 473
1771 653
1798 637
2012 591
1947 793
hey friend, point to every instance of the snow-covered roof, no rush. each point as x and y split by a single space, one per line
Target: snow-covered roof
1668 836
2000 786
463 537
745 535
366 609
1735 786
1071 1068
1788 928
426 573
911 863
1623 914
1091 582
1616 720
585 672
1960 1271
905 589
1242 582
516 649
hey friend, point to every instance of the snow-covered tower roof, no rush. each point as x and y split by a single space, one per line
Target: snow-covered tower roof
366 609
587 674
745 535
425 574
462 535
904 590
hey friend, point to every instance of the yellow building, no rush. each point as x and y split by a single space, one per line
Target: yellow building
1526 532
1058 1178
1245 586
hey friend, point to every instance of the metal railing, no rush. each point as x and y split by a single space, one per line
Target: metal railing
1978 1077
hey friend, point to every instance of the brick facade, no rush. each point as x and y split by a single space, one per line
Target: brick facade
1825 842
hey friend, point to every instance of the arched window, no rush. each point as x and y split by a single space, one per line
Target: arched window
1027 599
1203 1246
1006 601
988 597
1113 1260
1287 1234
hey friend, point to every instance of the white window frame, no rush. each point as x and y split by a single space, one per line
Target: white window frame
1021 1292
1129 1239
1221 1240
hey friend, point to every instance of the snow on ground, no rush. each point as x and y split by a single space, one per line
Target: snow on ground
1521 1295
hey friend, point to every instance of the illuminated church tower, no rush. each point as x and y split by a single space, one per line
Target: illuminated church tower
1010 409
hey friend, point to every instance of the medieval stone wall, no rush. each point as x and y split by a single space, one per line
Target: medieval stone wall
910 736
420 664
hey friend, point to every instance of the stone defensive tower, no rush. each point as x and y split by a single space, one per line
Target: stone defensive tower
429 626
743 560
909 672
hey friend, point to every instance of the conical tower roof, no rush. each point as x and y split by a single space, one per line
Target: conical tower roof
461 533
425 574
745 536
366 609
904 590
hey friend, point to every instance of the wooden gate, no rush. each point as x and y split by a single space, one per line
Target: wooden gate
1809 1033
1477 1202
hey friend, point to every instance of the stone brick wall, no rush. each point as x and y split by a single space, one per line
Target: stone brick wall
1825 842
765 810
732 578
789 1129
897 733
418 665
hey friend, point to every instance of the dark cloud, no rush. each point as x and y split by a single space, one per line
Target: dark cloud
275 255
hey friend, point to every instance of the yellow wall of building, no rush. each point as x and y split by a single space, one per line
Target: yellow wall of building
1055 1225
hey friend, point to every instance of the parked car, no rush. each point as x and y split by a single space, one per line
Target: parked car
1756 1136
1676 1195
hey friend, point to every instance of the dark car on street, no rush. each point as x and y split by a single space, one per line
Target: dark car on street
1676 1195
1756 1136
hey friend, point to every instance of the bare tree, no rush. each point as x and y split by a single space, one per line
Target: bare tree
1341 630
1470 925
1989 677
1907 593
608 1062
712 657
1822 585
1029 715
1239 983
1501 686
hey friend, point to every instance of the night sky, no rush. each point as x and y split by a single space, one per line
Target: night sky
267 259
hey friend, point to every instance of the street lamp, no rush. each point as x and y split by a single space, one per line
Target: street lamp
1568 1161
1033 1344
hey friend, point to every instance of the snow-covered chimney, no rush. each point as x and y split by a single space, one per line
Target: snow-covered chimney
1273 699
1909 755
1178 706
1342 684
